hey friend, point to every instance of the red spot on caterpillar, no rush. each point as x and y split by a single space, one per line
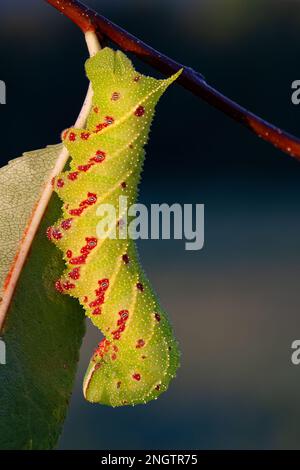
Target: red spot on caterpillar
157 317
109 120
78 260
60 183
98 301
49 233
85 299
52 181
140 286
103 347
124 315
68 285
91 242
100 293
115 348
125 258
123 185
65 133
53 233
115 96
96 109
102 125
69 254
85 250
56 234
58 286
140 344
85 135
121 327
84 168
72 136
140 111
90 245
99 127
74 274
103 283
77 212
121 324
99 157
91 199
136 377
97 311
73 176
66 224
114 356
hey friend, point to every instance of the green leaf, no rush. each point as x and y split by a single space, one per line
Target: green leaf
43 330
21 185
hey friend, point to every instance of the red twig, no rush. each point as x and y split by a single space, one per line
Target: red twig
89 20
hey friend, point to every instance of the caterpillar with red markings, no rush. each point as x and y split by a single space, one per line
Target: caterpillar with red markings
139 355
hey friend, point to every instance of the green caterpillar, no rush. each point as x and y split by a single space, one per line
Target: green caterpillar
139 355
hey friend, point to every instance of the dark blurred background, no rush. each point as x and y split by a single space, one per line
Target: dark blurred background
235 304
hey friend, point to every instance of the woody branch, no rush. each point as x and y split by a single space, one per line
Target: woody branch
89 20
